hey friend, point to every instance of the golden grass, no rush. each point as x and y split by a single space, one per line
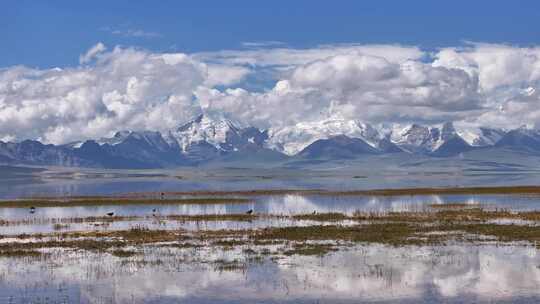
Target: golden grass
374 192
42 203
437 226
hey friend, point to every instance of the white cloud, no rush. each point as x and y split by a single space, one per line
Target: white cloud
92 52
126 88
288 57
509 78
353 86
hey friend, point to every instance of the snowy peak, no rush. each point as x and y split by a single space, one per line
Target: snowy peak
204 129
222 134
291 140
481 137
417 138
444 139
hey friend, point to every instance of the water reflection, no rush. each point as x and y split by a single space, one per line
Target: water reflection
278 205
289 204
363 274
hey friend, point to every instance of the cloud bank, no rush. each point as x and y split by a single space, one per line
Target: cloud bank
127 88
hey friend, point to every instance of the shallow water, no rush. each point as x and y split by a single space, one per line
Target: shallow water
288 204
370 273
277 205
75 181
457 273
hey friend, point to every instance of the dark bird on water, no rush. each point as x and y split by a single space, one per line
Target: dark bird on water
250 211
32 209
162 195
110 213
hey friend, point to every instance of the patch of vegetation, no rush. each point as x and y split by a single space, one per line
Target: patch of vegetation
59 226
376 192
229 243
121 253
240 217
111 201
183 245
323 217
224 265
310 249
436 226
19 253
387 233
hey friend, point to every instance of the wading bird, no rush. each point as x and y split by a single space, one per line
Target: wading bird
250 211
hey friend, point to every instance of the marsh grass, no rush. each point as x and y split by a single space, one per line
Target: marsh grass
59 226
238 217
323 217
310 249
19 253
111 201
534 190
222 265
122 253
438 226
387 233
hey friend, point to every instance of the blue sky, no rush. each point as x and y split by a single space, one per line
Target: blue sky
54 33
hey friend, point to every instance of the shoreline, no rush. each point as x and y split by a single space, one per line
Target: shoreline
135 196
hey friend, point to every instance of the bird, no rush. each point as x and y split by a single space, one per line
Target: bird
32 209
110 213
154 212
162 195
250 211
314 212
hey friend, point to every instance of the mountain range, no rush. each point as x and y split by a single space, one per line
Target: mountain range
206 139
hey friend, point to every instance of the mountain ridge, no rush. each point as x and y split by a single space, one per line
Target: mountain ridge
206 139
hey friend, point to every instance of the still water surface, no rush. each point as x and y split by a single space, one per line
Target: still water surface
374 273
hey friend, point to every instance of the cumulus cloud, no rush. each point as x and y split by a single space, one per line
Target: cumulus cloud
353 86
127 88
509 78
92 52
287 57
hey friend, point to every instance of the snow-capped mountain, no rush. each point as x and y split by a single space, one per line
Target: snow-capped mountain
416 138
480 137
222 134
292 140
216 139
